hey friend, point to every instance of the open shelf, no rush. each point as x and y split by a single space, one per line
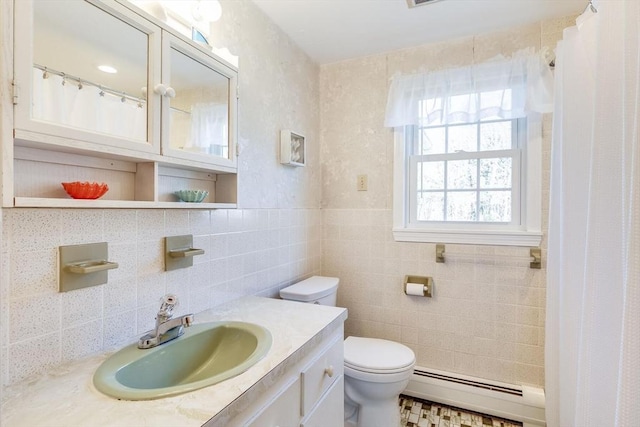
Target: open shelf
36 202
144 184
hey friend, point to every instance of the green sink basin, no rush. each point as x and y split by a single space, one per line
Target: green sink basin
206 354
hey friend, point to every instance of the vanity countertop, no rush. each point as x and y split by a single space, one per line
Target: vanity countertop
66 396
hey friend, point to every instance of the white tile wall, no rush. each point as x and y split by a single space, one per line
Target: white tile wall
45 327
486 318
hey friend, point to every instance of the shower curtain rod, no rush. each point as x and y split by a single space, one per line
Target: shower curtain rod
82 82
593 9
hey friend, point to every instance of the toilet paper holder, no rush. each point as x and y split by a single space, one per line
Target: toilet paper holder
411 289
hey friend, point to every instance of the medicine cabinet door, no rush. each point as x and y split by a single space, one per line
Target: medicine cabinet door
83 69
199 105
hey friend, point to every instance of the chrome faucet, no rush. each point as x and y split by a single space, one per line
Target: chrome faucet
166 328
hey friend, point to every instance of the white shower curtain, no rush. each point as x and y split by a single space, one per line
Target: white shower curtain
86 109
593 288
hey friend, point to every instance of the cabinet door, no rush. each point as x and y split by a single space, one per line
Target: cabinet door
282 411
320 374
83 69
198 105
329 412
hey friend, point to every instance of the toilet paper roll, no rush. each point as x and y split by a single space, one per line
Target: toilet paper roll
415 289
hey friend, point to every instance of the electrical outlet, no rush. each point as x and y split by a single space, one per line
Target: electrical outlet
362 183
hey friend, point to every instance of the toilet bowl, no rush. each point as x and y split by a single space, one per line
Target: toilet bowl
376 371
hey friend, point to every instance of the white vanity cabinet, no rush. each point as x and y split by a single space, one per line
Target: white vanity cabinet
309 394
104 92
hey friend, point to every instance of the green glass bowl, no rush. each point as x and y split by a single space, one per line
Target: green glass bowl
192 196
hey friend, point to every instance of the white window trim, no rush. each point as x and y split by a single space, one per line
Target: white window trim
529 234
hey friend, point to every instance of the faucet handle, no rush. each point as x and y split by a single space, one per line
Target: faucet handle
168 303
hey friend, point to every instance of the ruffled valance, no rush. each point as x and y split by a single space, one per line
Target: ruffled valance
501 88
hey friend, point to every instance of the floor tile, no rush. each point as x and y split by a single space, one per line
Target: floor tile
422 413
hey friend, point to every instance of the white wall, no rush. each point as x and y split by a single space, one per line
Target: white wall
273 240
487 316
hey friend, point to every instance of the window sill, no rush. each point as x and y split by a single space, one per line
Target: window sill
497 238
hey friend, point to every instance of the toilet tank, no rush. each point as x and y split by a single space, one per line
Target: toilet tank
314 290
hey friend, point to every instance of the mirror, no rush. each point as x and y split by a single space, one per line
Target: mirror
71 40
200 110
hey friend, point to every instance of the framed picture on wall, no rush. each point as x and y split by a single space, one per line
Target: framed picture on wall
293 150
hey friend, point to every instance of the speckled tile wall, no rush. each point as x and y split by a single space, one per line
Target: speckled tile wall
487 316
248 251
272 241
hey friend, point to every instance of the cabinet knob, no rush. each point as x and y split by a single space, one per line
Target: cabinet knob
329 371
171 92
160 89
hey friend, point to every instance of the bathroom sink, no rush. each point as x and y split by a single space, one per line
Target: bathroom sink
206 354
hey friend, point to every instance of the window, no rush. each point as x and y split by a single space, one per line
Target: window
467 161
465 173
469 182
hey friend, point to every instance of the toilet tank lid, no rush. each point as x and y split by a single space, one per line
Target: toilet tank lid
377 355
310 289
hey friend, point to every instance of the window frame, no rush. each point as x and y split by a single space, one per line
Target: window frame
526 233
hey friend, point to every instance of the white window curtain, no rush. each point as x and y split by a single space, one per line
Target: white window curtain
504 88
592 348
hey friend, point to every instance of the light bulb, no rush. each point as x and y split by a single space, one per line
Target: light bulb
107 69
206 10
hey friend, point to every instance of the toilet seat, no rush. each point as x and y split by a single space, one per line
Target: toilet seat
372 377
377 356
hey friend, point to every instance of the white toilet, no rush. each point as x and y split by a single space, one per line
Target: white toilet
376 371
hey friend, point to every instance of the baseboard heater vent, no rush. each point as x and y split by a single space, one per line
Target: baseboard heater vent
511 401
469 382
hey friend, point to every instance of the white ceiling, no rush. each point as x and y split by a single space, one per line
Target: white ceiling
334 30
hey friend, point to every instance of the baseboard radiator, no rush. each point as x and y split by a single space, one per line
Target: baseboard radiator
513 402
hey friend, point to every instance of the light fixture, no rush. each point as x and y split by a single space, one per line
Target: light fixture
414 3
206 10
107 69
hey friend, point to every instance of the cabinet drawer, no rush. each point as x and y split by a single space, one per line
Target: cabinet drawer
323 371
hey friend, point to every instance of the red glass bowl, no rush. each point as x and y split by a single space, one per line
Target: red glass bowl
85 190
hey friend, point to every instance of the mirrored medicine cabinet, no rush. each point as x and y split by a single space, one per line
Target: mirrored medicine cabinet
110 85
